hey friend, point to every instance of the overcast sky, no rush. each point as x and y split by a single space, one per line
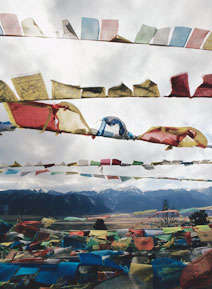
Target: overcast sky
91 63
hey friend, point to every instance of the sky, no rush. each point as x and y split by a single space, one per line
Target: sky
91 63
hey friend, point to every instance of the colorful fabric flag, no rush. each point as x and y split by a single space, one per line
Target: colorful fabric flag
99 176
145 34
171 230
142 272
10 24
145 212
101 234
93 92
190 210
124 178
30 28
11 172
180 86
68 31
6 126
109 29
24 173
109 177
120 39
197 274
146 89
86 175
175 136
89 28
197 37
7 271
180 36
30 87
6 94
144 243
116 123
62 117
205 89
83 163
167 273
15 164
119 91
65 91
161 36
137 163
94 163
41 172
208 43
116 162
205 236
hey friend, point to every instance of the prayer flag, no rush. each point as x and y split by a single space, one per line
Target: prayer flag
197 37
205 89
161 36
144 243
146 89
180 86
30 28
208 43
109 29
180 36
145 34
89 28
68 31
10 24
175 136
65 91
30 87
6 94
93 92
119 91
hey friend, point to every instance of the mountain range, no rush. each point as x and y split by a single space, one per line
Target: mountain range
53 203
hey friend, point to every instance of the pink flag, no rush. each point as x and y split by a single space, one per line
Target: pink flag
109 29
10 24
197 38
105 162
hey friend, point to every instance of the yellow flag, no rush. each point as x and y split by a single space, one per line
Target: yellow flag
93 92
30 87
119 91
65 91
146 89
102 234
6 94
208 43
142 272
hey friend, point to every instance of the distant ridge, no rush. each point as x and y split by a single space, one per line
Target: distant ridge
53 203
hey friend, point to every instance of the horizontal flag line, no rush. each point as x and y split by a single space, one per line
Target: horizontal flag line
110 164
103 176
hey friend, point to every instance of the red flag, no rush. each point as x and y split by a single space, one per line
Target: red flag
205 89
180 86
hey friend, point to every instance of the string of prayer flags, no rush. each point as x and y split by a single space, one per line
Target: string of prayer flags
89 28
10 24
30 28
180 36
109 29
68 31
161 36
175 136
30 87
145 34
